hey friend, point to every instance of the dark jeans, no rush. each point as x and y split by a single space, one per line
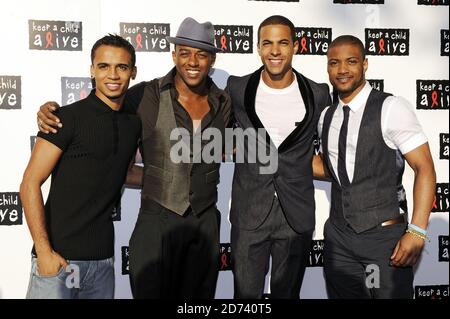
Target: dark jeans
357 266
251 251
173 256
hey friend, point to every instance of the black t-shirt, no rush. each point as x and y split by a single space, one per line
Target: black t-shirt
98 144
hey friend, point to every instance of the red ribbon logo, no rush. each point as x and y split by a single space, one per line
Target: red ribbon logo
381 43
223 42
434 98
223 259
138 41
434 203
48 38
303 44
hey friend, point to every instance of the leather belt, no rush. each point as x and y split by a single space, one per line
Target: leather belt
399 220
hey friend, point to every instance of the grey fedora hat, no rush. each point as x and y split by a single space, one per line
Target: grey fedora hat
194 34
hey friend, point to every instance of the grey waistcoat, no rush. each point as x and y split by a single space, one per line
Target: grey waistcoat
376 191
175 186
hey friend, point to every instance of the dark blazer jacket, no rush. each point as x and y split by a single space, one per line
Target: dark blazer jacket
253 192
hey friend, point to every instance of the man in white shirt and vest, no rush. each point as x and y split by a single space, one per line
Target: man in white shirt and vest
366 137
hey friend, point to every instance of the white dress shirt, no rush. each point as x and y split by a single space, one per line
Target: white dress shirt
399 125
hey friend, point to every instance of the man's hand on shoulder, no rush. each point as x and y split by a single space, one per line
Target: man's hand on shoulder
47 121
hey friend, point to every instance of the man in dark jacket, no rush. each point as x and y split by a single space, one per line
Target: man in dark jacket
272 210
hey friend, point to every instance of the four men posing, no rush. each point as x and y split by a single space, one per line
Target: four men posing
174 247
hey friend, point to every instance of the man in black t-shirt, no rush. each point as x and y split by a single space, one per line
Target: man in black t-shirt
88 160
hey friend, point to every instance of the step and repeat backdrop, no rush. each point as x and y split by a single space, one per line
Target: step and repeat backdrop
45 55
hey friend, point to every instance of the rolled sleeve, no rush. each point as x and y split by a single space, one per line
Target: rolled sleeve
400 126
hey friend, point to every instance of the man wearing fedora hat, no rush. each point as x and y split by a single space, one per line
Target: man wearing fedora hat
174 247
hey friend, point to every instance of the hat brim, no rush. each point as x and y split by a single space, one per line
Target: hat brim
193 44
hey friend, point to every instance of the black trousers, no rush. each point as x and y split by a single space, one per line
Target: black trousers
251 252
357 266
173 256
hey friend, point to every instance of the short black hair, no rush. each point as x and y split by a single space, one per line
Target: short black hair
277 19
349 39
115 41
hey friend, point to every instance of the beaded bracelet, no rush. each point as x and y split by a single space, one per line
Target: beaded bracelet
417 234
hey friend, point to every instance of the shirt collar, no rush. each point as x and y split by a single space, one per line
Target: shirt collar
169 79
360 99
99 104
215 95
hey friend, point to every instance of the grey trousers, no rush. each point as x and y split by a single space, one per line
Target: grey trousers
251 252
357 266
